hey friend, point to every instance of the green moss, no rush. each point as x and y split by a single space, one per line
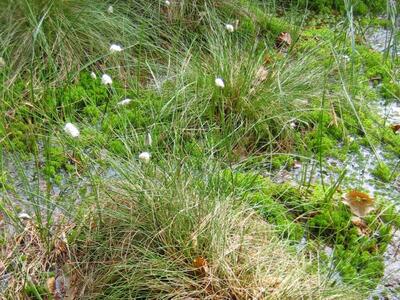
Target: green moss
383 172
298 212
320 143
390 89
358 258
361 7
354 147
92 112
281 161
55 160
21 136
117 147
390 215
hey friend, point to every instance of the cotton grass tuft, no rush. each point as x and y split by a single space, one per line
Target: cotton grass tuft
229 27
71 129
124 102
145 157
219 82
115 48
106 79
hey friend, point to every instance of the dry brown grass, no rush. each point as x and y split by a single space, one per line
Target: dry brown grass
161 244
29 259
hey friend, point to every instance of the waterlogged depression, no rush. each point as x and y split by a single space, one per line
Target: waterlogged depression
356 172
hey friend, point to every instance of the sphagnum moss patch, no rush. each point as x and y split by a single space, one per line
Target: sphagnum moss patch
227 90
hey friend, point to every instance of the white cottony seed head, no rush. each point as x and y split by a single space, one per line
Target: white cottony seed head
115 48
167 3
71 129
219 82
106 79
110 9
93 75
149 139
124 102
145 157
24 216
229 27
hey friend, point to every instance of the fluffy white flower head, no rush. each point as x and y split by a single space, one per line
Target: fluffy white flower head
167 3
145 157
219 82
149 139
110 9
115 48
24 216
106 79
124 102
71 130
93 75
229 27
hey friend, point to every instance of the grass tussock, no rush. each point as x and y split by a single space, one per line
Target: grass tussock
182 237
162 232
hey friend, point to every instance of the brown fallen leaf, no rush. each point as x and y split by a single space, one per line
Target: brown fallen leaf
261 74
362 227
259 77
267 59
2 267
360 203
395 128
60 252
284 39
201 265
51 286
10 113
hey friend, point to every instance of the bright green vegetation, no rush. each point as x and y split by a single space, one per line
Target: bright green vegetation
134 229
326 6
323 220
383 172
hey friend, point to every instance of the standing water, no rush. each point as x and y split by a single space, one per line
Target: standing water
359 168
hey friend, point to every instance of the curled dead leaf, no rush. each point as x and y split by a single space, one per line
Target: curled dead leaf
267 59
60 252
395 128
297 164
51 285
375 80
360 203
201 265
284 39
2 267
261 74
362 227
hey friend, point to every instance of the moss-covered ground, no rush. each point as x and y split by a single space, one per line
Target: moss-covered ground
208 189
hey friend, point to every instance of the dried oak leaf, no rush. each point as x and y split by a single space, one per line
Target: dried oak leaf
201 265
267 59
261 74
362 227
395 128
360 203
284 39
51 285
